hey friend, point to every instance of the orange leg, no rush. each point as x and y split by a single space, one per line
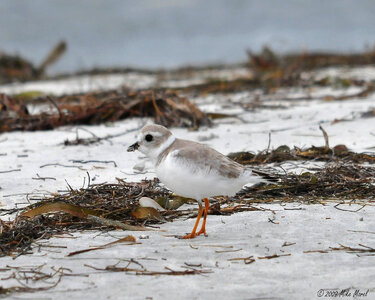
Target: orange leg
193 233
203 228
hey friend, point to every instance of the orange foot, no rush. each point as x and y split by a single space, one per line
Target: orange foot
193 234
203 230
188 236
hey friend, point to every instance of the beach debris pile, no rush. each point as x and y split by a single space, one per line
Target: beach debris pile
117 206
14 68
165 107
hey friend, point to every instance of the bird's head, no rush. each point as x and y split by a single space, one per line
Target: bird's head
152 140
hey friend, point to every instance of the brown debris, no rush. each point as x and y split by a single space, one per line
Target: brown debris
129 240
147 213
111 206
222 86
14 68
166 107
96 207
269 71
363 249
247 260
284 153
275 71
338 182
273 256
73 210
368 90
144 272
35 274
268 60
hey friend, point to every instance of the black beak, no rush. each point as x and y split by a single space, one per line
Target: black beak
133 147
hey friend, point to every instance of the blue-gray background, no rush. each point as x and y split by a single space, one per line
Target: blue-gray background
151 33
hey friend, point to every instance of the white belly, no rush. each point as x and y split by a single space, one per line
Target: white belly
190 183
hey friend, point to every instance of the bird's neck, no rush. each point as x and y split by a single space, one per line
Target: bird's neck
159 153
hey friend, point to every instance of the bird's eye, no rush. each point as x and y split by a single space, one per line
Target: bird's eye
149 137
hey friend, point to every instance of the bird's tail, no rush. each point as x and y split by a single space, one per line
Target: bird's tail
265 177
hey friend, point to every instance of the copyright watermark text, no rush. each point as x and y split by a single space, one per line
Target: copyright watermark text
344 293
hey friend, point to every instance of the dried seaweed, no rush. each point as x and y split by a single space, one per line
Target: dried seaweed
269 71
116 203
267 59
337 182
166 107
284 153
339 153
110 201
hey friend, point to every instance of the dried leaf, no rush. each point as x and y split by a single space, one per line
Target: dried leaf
117 224
163 202
71 209
177 202
144 213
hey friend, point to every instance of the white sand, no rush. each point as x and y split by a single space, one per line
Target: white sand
307 227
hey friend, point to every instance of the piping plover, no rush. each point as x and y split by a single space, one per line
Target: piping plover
193 170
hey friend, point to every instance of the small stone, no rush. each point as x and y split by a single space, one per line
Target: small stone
139 166
204 138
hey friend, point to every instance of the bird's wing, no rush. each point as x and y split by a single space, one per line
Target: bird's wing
200 158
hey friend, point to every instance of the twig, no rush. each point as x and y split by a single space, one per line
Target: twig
273 221
169 271
88 179
273 256
287 244
362 231
42 178
95 161
60 165
56 106
246 260
345 248
225 251
130 240
193 265
337 207
269 142
9 171
158 112
97 139
325 137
